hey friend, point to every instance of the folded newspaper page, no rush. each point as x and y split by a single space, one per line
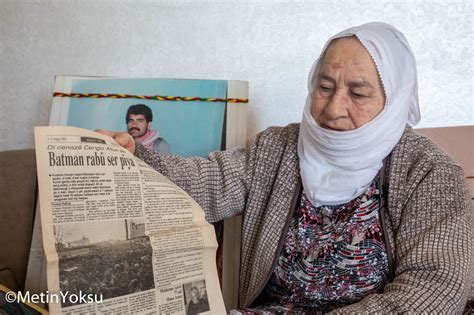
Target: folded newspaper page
118 236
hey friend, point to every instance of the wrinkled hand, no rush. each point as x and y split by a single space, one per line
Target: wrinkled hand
124 139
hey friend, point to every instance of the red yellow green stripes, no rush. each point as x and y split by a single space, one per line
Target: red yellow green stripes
152 97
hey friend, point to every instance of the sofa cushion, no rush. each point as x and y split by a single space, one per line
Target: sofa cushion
18 187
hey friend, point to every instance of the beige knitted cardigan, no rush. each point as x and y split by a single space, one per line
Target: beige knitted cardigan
425 223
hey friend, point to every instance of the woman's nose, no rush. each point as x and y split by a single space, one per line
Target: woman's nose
337 105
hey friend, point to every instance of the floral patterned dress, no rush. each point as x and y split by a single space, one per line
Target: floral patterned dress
332 255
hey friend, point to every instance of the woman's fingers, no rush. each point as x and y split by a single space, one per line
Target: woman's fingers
124 139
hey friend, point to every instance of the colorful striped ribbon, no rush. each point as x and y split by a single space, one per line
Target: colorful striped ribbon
152 97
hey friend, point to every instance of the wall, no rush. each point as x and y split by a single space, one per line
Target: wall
271 44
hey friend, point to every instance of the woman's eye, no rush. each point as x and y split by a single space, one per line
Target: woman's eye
325 88
357 95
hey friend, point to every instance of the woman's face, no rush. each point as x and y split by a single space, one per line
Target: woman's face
348 91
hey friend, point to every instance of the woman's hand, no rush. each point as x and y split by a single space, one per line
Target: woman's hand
122 138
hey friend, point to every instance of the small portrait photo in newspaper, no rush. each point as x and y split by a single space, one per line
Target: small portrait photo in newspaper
195 298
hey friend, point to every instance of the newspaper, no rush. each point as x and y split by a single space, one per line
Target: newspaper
118 236
37 261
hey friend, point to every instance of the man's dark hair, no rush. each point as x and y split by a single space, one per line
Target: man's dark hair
139 109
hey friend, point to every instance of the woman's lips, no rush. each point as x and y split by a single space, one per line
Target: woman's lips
330 128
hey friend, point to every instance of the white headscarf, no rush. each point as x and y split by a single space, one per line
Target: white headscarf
337 166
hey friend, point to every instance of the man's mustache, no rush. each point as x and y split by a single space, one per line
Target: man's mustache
134 128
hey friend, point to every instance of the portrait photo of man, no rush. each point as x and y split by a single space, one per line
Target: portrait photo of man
196 301
139 125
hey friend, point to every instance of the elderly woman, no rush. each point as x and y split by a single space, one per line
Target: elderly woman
350 210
